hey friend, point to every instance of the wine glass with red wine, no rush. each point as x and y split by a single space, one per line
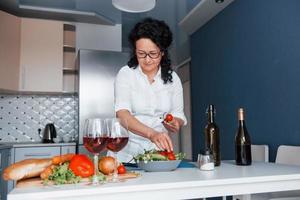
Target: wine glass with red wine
95 138
118 138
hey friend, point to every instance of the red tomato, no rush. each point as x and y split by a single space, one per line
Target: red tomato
121 169
82 166
171 156
169 118
163 153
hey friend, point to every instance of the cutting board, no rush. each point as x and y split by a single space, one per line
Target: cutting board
38 182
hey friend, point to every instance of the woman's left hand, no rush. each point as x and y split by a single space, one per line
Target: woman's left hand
173 126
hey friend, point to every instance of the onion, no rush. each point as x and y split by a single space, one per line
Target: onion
107 165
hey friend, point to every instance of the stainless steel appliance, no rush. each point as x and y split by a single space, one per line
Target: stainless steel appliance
97 72
49 133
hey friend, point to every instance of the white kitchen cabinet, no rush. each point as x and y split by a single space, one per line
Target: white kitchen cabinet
41 57
31 54
35 152
68 149
45 151
10 27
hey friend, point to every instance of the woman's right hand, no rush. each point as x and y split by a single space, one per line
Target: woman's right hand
161 140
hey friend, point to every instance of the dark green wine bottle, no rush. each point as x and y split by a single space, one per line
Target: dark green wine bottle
242 142
211 131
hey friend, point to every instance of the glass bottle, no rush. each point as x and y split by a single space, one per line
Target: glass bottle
242 142
211 131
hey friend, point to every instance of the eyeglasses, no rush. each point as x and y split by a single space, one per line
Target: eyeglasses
151 54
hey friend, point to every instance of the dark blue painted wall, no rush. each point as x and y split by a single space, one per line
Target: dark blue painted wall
249 56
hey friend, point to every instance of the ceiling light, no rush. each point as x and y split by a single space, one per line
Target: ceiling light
134 6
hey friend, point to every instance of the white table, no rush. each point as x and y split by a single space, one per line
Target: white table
183 183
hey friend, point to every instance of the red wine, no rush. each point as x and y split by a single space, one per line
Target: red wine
95 144
242 142
116 144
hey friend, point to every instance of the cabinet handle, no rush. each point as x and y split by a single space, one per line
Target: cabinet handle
38 154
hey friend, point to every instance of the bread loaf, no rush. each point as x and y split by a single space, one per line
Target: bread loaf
26 169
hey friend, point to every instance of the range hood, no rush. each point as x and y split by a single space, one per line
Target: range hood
65 15
70 10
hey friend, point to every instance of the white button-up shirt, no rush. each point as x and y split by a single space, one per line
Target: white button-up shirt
147 102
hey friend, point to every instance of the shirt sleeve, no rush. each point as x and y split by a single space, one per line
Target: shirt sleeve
177 99
122 90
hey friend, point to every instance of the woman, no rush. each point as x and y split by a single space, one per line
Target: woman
146 89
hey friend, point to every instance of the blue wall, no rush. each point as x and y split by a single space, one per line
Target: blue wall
249 56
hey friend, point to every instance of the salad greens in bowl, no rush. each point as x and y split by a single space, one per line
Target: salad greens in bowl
157 161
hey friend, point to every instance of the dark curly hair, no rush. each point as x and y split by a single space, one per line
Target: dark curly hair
160 34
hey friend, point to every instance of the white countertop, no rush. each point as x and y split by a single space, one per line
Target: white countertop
183 183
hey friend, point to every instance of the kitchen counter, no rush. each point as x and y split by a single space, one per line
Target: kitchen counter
5 146
31 144
183 183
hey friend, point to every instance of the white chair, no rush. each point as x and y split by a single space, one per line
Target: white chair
285 155
259 153
288 155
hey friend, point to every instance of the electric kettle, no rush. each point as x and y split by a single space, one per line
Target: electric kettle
49 133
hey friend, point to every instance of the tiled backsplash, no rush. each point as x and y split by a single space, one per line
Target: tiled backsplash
22 115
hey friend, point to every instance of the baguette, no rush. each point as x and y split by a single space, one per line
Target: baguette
57 160
26 169
47 172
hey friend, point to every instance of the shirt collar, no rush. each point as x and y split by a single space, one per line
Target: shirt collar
156 77
158 74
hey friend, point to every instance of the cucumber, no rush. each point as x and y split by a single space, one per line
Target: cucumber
156 156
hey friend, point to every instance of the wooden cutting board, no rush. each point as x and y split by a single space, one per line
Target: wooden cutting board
38 182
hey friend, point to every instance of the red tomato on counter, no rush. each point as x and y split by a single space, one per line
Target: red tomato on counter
121 169
82 166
